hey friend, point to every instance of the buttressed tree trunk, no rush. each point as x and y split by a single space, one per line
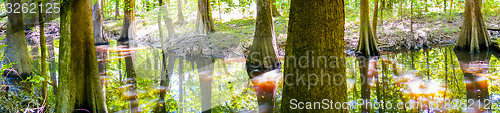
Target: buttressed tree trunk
64 102
263 54
86 89
367 45
276 13
16 51
128 28
317 34
100 38
473 36
262 57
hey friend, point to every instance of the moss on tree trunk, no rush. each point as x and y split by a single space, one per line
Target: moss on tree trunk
205 9
315 34
64 100
473 36
83 81
367 45
43 51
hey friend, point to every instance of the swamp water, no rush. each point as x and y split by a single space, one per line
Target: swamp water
428 80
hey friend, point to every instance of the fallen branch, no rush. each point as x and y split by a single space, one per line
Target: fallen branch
493 29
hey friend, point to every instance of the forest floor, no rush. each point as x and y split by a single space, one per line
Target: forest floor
233 38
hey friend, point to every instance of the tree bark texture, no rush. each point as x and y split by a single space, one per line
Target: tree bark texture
473 36
315 33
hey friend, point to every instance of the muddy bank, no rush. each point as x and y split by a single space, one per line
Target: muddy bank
427 33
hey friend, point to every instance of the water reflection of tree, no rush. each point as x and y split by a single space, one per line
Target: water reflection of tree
367 69
205 66
475 67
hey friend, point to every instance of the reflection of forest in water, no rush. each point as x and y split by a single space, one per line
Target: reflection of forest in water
435 78
427 77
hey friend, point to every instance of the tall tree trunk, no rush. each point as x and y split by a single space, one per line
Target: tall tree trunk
168 21
128 28
53 65
165 79
117 9
367 45
180 16
315 33
43 51
411 18
206 15
100 38
473 36
64 100
16 52
80 87
374 21
198 27
101 2
381 18
275 11
263 55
